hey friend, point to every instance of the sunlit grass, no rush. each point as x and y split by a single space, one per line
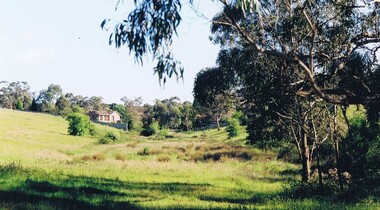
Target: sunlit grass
41 167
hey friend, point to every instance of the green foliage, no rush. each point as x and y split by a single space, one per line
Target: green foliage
373 159
213 94
149 28
110 136
48 97
361 147
78 109
79 124
239 115
62 106
233 127
164 132
19 105
151 129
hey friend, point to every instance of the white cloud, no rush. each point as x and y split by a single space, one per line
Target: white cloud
37 55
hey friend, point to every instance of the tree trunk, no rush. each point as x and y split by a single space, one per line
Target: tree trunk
319 168
305 152
338 164
336 147
305 158
218 122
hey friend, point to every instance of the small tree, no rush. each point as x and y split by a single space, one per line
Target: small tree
79 124
19 105
233 127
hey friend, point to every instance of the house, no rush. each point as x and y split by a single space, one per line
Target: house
105 116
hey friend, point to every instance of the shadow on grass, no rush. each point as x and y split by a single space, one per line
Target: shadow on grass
258 198
81 192
15 199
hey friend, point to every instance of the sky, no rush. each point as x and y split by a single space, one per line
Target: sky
47 42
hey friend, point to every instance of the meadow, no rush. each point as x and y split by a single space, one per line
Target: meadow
42 167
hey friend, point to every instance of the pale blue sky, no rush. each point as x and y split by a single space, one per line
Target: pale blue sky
60 42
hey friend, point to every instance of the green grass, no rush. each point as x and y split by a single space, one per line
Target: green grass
41 167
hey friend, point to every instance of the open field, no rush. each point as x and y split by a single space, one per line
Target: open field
41 167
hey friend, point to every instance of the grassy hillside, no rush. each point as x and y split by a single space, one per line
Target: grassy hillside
41 167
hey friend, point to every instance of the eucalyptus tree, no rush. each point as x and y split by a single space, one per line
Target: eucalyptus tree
63 106
14 92
48 97
313 37
213 92
134 111
312 40
188 115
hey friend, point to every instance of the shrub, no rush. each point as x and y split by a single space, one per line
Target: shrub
164 132
151 129
233 127
112 136
79 124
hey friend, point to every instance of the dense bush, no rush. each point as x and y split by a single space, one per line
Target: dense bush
108 137
356 145
79 124
151 129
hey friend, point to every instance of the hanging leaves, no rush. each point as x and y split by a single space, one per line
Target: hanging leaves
149 28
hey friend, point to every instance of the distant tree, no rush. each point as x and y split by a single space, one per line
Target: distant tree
75 100
134 112
213 92
48 97
79 124
187 115
148 115
62 106
11 93
167 112
94 103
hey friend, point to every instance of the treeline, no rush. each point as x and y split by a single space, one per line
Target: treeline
145 118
